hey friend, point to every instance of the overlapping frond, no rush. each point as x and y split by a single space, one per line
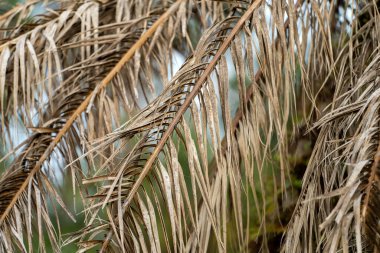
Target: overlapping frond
145 177
191 170
52 71
338 207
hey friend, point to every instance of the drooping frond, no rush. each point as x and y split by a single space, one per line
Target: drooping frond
57 68
204 160
145 177
338 207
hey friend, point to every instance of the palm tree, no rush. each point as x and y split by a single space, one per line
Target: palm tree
199 157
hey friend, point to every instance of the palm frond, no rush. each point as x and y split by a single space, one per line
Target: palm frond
146 166
70 88
168 161
336 210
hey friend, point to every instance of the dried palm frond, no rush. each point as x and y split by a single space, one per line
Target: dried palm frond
57 67
144 177
89 89
338 210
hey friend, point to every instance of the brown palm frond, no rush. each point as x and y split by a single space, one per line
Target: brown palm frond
336 210
70 85
241 127
195 159
134 180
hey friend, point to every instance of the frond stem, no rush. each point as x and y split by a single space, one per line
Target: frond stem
128 55
189 99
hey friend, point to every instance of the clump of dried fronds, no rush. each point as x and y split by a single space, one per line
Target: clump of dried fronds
338 207
185 173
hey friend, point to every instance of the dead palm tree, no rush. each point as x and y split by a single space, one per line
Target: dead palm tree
161 158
